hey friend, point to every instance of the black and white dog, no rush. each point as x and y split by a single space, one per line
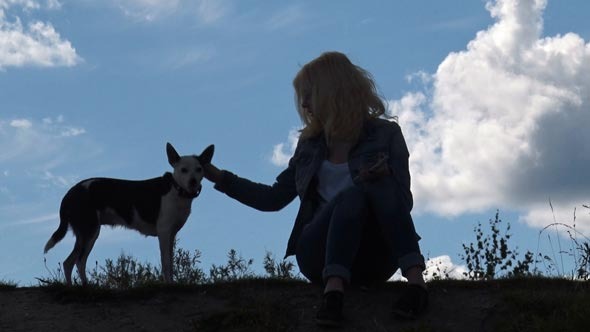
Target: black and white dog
155 207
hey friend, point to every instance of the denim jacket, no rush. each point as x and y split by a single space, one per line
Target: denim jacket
380 141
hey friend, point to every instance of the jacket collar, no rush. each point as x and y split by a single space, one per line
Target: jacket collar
369 130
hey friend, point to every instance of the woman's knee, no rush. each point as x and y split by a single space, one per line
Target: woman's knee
310 266
350 203
352 194
309 254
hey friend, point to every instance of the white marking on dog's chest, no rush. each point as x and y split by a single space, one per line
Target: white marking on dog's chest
174 211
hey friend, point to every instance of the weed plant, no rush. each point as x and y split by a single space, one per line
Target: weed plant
491 256
7 284
282 270
236 268
578 250
127 272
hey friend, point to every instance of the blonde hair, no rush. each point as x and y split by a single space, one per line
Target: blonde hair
341 94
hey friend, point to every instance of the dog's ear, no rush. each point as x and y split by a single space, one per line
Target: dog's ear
173 156
207 155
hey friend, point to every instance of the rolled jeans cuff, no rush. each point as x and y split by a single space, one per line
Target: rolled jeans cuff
336 270
410 260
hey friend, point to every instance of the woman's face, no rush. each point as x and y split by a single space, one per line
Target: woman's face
306 103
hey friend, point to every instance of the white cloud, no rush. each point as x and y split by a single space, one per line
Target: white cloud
285 17
440 267
54 4
505 124
148 10
422 76
71 131
38 162
26 4
34 44
49 120
280 157
59 180
21 123
183 59
502 124
211 11
39 143
36 220
206 11
542 214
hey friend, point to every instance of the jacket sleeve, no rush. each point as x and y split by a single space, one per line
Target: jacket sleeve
261 196
399 162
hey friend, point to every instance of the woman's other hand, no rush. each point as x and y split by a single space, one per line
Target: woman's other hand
212 173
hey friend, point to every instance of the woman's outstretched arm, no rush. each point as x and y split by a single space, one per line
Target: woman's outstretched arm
256 195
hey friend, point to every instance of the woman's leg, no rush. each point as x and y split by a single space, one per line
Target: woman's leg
328 245
395 221
374 261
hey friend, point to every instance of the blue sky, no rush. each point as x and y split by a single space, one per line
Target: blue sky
492 97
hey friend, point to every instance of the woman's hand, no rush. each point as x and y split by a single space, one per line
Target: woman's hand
375 171
212 173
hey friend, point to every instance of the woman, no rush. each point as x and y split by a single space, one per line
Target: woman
350 171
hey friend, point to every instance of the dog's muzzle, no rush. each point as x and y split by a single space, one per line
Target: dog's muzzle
198 190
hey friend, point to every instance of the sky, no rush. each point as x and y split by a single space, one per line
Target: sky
492 96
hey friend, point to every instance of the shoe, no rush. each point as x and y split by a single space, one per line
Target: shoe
412 303
330 313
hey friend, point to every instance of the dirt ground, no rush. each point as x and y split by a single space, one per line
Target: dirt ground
244 306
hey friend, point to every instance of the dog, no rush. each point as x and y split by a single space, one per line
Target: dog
154 207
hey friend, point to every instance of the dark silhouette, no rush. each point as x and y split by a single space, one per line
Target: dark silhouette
350 171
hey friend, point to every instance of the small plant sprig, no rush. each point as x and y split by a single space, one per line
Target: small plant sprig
236 268
579 250
126 272
186 267
439 272
7 284
278 270
491 256
55 276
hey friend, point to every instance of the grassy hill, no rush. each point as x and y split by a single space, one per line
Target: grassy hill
531 304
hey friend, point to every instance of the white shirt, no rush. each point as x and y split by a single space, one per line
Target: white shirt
332 179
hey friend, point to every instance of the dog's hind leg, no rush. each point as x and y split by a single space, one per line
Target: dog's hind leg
86 247
72 258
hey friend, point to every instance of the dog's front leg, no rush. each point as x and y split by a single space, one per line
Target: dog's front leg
166 240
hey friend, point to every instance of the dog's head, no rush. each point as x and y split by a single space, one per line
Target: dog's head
188 170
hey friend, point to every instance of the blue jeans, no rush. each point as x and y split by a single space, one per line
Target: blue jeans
360 238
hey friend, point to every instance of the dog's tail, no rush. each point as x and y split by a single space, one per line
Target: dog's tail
58 235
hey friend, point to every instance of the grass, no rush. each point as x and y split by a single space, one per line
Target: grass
7 285
533 303
91 293
524 299
263 313
543 304
275 304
